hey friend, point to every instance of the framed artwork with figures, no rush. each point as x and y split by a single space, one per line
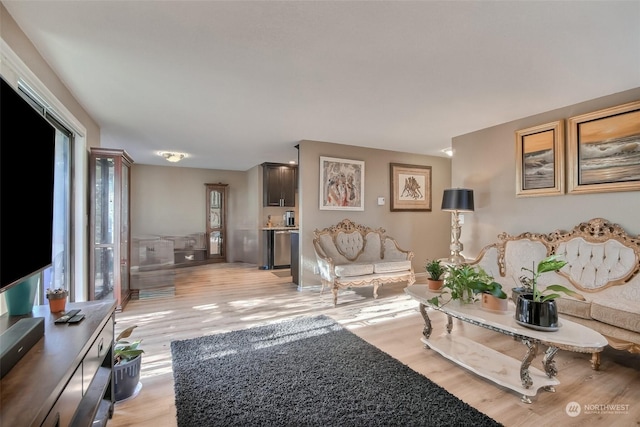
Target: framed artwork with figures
410 187
341 184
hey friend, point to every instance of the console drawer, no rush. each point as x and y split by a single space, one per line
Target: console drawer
96 354
64 408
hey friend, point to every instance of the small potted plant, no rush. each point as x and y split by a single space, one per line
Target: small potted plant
464 282
524 287
538 308
492 296
57 299
126 365
435 269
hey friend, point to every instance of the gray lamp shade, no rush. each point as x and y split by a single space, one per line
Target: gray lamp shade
457 199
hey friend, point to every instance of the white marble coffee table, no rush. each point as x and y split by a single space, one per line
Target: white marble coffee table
493 365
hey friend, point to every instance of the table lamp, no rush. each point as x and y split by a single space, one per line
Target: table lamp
456 200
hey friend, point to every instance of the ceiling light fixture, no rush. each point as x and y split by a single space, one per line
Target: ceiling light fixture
448 151
172 157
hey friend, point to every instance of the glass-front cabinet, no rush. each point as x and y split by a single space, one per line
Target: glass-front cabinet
216 222
110 235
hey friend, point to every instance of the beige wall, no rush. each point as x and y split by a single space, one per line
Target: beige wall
20 59
21 45
170 201
485 161
425 233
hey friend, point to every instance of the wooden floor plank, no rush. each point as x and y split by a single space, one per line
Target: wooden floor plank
217 298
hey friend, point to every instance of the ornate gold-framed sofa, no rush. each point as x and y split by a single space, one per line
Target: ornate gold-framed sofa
352 255
603 265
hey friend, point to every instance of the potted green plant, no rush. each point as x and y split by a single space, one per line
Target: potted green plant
465 282
524 287
492 296
57 299
127 361
538 308
435 269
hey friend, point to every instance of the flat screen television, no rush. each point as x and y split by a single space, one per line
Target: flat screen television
27 162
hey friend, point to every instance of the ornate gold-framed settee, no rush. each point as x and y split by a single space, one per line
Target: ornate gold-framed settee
352 255
603 265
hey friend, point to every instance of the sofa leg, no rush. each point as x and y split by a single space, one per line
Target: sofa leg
335 297
375 291
595 361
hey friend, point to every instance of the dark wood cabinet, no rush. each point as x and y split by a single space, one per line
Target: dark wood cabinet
66 378
216 222
110 244
279 181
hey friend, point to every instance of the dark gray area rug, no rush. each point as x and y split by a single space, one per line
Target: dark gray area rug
305 372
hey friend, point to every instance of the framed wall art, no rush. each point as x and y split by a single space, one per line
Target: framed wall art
341 184
410 187
604 150
540 160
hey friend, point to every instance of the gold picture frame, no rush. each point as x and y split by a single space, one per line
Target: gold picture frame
604 150
410 187
540 160
341 184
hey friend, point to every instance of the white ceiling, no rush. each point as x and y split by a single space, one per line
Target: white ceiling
237 83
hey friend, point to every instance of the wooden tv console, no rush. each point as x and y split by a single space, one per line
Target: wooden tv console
65 379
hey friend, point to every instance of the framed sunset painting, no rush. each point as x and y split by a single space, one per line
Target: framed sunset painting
604 150
540 160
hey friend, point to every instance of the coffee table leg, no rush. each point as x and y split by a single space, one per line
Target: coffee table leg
449 324
532 350
426 332
548 362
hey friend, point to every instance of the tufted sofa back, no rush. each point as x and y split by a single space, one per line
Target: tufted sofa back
594 265
348 242
598 254
345 247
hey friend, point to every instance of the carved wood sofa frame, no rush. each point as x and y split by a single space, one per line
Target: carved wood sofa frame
353 255
603 265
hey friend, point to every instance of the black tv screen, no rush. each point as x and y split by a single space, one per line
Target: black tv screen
27 161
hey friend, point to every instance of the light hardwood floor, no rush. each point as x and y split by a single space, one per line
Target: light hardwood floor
222 297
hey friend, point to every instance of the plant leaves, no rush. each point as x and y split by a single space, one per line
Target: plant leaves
126 333
560 288
551 263
434 301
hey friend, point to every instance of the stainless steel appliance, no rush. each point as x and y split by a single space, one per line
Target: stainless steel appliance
282 249
277 249
289 219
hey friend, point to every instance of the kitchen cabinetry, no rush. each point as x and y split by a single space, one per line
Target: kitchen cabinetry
110 235
216 222
279 182
65 379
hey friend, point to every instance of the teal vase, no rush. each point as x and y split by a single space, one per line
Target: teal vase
20 297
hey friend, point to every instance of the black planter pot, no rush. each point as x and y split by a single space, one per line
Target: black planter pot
126 378
516 292
537 315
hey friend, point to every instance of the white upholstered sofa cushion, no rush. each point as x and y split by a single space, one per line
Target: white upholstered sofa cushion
594 265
